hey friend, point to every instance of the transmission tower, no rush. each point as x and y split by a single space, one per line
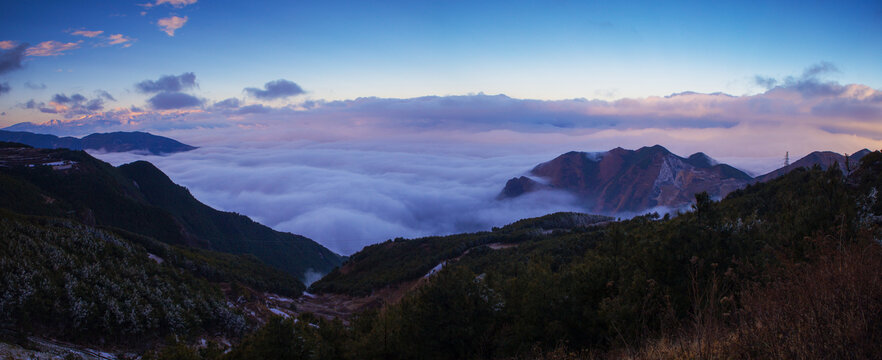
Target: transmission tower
787 158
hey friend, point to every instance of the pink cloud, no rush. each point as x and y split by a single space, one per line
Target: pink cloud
51 48
119 39
7 44
175 3
87 33
170 24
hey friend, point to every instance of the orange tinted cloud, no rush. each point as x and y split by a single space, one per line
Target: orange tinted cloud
170 24
119 39
51 48
87 33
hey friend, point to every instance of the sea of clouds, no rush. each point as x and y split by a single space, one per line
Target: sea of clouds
356 172
347 196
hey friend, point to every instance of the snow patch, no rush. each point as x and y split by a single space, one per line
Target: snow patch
278 298
153 257
279 312
436 269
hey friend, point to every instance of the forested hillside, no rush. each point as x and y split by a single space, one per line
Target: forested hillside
139 198
71 281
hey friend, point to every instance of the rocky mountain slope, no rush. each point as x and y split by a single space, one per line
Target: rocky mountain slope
622 180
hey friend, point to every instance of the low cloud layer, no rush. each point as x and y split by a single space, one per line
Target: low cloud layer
169 92
75 105
277 89
349 196
231 103
169 83
173 100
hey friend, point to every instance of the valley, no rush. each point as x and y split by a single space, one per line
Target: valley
564 275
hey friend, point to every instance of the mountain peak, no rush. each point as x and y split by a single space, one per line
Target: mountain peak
631 180
859 154
518 186
701 160
655 147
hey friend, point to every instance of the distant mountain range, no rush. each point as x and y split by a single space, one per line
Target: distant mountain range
622 180
110 142
139 198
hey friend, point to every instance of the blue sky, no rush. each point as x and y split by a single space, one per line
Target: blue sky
344 50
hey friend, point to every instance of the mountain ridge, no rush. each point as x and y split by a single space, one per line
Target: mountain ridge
119 141
824 159
621 180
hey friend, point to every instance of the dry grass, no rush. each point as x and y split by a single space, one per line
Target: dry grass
830 308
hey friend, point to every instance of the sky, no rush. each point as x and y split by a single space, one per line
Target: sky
335 50
355 122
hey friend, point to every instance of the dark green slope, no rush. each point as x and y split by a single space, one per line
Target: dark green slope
400 260
229 232
94 192
67 280
141 199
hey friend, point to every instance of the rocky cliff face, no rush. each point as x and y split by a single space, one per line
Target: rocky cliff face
623 180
